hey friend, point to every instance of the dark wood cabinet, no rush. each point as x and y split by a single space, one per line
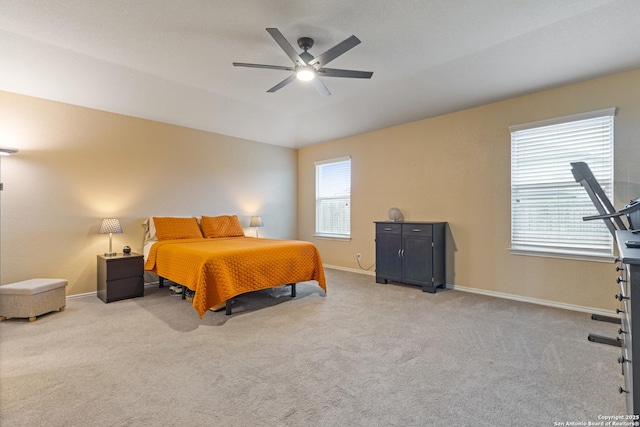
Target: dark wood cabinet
412 253
120 277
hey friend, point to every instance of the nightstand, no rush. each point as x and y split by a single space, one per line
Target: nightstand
120 277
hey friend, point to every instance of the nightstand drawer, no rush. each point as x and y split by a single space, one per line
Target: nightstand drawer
122 268
131 287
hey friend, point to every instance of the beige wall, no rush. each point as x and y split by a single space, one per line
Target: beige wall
456 168
77 166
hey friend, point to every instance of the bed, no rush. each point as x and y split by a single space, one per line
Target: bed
215 259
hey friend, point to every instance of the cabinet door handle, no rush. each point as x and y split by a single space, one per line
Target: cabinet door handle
399 250
416 230
403 253
387 229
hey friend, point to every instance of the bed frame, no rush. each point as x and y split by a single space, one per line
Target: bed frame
227 310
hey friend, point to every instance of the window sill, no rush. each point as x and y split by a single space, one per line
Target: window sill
579 256
332 237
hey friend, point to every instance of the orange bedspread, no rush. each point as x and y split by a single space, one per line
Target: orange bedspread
222 268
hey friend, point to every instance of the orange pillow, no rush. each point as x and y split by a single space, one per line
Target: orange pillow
169 228
221 226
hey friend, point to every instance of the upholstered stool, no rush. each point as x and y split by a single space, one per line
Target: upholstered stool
32 298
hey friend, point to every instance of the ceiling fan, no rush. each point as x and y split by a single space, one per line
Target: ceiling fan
307 67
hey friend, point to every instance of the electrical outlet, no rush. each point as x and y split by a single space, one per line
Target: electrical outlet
358 256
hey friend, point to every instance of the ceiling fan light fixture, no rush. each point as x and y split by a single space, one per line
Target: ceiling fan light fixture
307 67
306 74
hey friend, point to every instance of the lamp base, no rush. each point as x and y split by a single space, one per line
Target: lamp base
110 254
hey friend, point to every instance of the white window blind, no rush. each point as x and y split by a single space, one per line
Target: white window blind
333 198
547 204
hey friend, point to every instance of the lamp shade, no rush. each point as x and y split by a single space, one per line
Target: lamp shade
110 225
7 151
256 221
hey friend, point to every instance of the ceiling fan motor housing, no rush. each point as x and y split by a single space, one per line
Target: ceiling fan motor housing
305 43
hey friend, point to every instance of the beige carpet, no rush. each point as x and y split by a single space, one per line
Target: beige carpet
363 355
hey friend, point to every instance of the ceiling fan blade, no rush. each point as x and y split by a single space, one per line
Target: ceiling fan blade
286 46
320 87
334 72
283 83
270 67
335 51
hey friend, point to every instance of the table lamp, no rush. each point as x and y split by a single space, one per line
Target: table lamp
110 225
256 221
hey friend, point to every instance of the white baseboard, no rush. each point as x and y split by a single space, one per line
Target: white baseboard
495 294
503 295
87 294
538 301
351 270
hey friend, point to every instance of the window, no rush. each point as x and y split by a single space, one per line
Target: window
547 204
333 198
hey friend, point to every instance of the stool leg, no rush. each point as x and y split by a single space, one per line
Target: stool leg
32 319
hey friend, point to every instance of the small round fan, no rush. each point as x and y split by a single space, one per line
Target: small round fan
395 215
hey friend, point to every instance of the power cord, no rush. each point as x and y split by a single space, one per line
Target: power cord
362 268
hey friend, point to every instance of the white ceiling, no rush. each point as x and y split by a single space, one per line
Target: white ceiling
170 60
